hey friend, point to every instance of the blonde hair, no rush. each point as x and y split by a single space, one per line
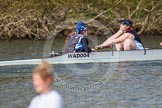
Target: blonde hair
45 70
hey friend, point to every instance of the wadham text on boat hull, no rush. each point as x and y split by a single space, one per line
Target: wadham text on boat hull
78 55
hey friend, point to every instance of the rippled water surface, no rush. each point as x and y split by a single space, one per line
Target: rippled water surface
106 85
92 85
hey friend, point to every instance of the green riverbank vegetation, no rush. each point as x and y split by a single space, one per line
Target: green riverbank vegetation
41 19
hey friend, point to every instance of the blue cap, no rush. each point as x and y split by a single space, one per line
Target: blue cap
80 26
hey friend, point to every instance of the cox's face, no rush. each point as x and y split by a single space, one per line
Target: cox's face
85 32
124 27
39 84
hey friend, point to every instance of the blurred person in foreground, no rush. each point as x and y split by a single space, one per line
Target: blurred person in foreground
42 80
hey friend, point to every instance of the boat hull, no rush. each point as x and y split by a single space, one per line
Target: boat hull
107 56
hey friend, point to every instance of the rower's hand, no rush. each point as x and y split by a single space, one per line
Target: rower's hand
101 47
98 47
93 50
161 44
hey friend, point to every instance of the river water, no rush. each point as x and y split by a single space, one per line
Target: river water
91 85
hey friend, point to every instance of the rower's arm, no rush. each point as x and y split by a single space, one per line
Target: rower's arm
116 41
121 38
116 35
113 37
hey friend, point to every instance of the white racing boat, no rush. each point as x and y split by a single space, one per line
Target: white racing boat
106 56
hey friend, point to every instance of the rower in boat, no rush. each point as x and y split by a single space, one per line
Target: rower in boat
125 39
78 42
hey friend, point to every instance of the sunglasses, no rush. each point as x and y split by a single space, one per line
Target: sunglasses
125 23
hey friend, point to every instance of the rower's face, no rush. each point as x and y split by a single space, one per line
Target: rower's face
124 27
